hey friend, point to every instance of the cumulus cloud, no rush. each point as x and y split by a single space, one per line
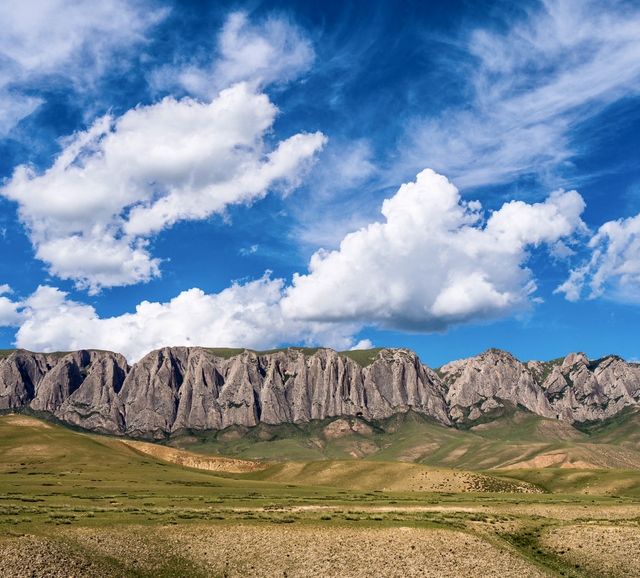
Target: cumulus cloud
124 179
243 315
531 82
363 344
613 269
433 262
261 53
71 41
9 314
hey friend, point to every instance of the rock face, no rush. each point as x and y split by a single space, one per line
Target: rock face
582 390
482 385
80 388
572 389
179 388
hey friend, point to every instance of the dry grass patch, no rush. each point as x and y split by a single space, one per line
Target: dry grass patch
556 459
197 461
306 552
25 421
391 477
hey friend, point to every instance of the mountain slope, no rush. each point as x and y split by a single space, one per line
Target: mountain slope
181 389
520 440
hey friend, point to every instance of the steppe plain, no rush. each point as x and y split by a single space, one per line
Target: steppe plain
355 500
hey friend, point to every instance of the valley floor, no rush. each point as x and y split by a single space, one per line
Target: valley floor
75 504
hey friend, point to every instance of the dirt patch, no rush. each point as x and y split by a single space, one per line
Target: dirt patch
551 460
337 429
557 430
361 449
133 551
231 436
343 427
235 550
394 477
601 550
362 428
568 511
191 460
458 481
25 421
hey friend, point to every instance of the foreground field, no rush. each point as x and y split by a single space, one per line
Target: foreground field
73 504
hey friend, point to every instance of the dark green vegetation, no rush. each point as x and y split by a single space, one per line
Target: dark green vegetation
363 357
69 488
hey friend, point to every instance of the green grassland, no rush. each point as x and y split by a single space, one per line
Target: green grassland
63 486
505 443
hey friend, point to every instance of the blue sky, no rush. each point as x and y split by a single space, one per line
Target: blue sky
445 176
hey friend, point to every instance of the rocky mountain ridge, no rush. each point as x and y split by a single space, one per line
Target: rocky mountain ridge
178 389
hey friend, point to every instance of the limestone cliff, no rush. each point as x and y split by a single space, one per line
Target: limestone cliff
192 388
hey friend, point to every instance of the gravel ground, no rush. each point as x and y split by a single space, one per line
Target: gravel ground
272 550
602 550
348 553
37 557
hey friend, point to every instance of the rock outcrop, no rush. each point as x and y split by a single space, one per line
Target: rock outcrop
191 388
582 390
181 388
573 389
482 385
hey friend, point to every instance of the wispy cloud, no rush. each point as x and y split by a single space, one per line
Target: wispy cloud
69 43
260 53
530 84
250 250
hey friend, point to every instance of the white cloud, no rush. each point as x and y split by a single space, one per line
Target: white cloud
246 315
363 344
614 267
531 83
125 179
73 40
9 314
272 51
432 262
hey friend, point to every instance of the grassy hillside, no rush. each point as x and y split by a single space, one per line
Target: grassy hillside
521 440
73 503
622 429
363 357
